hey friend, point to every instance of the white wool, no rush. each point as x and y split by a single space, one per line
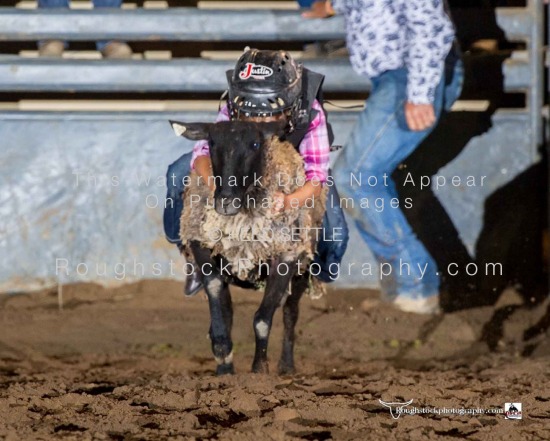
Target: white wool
251 237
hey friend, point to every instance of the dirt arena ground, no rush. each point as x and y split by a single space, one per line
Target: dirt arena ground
134 363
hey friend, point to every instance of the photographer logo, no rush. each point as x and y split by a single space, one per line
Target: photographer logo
512 411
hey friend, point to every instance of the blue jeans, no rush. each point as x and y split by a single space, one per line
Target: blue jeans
380 141
330 248
97 4
306 3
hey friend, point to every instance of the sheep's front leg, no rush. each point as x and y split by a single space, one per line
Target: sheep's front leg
290 317
275 291
221 311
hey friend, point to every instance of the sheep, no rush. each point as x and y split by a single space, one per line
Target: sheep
233 230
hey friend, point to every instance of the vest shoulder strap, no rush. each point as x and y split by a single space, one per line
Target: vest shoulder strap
312 83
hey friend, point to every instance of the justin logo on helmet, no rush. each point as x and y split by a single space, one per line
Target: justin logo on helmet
256 71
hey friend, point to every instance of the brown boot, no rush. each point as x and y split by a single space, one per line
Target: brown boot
51 49
117 50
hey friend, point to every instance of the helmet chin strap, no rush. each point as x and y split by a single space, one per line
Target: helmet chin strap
224 96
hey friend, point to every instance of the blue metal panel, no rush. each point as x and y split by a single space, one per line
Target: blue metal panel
517 73
500 154
515 22
115 226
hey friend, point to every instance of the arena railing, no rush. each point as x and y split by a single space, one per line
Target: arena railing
41 149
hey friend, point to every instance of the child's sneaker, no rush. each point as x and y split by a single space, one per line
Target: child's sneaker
421 305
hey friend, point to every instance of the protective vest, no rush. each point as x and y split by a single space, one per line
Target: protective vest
312 83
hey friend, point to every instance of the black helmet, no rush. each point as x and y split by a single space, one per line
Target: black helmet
264 83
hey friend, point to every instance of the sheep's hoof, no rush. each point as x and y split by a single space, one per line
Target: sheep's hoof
286 369
225 369
260 367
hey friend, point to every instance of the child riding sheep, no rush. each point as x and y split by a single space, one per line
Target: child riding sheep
270 86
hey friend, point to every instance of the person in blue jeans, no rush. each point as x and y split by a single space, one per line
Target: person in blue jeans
406 47
109 49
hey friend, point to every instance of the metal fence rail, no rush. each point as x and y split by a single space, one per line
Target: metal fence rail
192 24
174 24
41 151
187 75
183 75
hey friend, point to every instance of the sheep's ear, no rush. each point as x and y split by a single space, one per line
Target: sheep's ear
193 131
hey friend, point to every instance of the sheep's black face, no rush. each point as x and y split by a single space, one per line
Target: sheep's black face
236 151
237 154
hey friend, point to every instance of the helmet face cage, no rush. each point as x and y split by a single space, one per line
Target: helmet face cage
264 83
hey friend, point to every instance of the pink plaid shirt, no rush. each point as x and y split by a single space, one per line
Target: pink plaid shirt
314 148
